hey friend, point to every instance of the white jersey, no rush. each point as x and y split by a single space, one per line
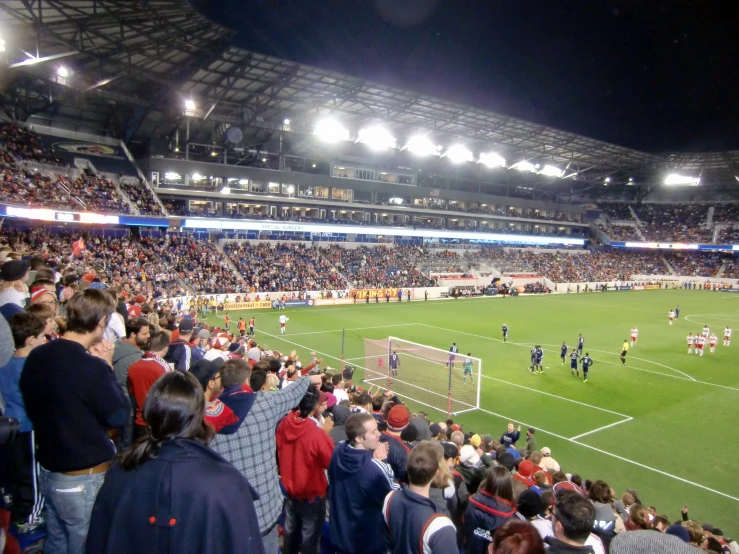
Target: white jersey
634 332
283 319
713 340
706 332
727 333
671 315
700 340
691 340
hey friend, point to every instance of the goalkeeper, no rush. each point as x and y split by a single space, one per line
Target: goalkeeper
467 366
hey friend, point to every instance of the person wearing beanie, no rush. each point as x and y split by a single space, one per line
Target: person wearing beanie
304 450
414 524
360 480
529 506
650 542
398 418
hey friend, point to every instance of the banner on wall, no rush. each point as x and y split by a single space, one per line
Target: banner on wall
262 304
728 290
624 288
637 287
332 301
297 303
651 287
362 294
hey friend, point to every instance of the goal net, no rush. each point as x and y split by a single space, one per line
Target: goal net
427 375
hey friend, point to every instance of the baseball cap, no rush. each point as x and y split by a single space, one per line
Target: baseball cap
204 334
435 429
331 402
14 270
545 451
140 299
204 370
186 325
487 439
566 486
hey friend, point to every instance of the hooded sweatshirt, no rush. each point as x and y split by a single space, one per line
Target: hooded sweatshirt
359 484
304 452
340 414
124 356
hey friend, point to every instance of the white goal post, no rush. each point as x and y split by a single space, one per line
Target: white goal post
436 378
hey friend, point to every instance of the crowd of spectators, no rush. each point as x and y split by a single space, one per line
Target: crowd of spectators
675 222
726 213
728 235
142 197
695 264
26 144
283 267
621 232
617 210
381 266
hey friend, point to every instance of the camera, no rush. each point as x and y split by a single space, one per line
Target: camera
348 372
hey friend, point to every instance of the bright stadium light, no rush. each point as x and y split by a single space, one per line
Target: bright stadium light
226 190
524 166
172 176
376 138
2 45
243 181
286 122
330 131
552 171
420 146
458 154
491 159
674 179
62 71
190 105
197 177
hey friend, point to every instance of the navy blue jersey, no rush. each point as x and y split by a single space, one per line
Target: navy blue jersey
533 355
573 359
394 361
453 349
580 343
505 330
539 355
563 350
586 363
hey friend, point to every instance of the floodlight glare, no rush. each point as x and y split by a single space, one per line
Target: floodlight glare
286 122
172 176
243 181
376 138
62 71
190 105
458 154
524 166
226 190
552 171
420 146
197 177
491 159
677 179
2 45
290 189
330 131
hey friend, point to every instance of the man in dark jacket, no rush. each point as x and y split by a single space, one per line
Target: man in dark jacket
510 438
360 480
181 353
573 516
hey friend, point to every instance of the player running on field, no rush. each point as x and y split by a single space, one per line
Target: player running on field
283 320
580 343
700 342
467 369
563 351
573 363
634 336
394 363
453 349
671 315
691 342
586 362
624 351
727 336
505 333
712 341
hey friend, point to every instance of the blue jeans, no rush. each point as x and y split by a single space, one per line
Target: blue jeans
69 501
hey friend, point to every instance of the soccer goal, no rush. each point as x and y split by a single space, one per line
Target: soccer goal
427 375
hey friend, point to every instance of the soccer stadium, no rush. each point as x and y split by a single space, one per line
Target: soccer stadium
252 305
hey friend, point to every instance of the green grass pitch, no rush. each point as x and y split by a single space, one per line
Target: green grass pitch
667 424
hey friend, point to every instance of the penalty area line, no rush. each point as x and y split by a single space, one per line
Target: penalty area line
602 428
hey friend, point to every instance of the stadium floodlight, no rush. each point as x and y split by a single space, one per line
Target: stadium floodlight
420 145
62 71
676 179
458 154
290 189
608 180
226 190
552 171
330 131
395 201
376 138
286 121
243 181
196 177
172 176
491 159
2 44
190 105
524 166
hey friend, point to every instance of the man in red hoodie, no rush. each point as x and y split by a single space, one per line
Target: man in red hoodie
304 450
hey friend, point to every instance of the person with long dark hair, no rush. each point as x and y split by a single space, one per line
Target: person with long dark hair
489 508
169 492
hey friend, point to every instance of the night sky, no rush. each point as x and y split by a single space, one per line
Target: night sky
649 74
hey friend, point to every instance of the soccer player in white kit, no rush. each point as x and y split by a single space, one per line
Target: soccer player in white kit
700 342
671 315
712 343
634 336
283 320
691 342
706 331
727 336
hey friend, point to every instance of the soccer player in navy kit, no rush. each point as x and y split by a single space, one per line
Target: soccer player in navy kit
563 351
505 333
394 363
580 343
573 363
453 349
586 363
533 358
538 357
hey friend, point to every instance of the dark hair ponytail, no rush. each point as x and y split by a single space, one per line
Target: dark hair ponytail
174 408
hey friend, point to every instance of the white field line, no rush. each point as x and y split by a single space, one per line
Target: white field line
617 457
685 378
561 437
602 428
352 329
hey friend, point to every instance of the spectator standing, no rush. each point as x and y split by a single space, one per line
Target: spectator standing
412 519
530 442
572 521
304 451
143 374
13 289
360 480
72 399
209 375
510 437
547 462
181 353
170 492
398 418
488 509
130 349
249 442
340 414
28 333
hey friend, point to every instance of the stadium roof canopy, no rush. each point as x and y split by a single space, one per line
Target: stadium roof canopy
135 63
